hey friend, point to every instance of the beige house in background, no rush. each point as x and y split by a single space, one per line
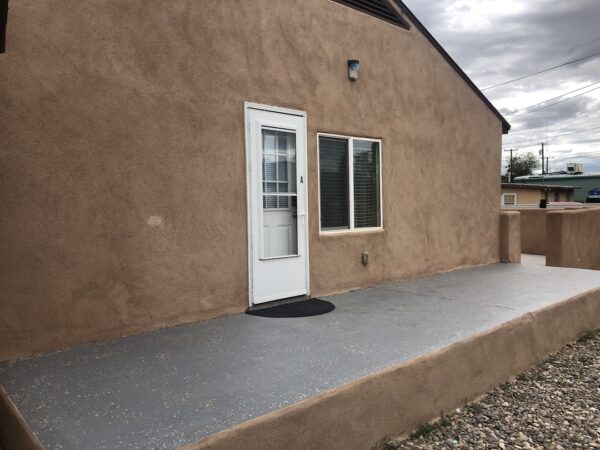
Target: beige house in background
171 163
517 194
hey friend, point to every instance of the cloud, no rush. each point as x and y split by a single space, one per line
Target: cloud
579 109
544 33
497 41
462 8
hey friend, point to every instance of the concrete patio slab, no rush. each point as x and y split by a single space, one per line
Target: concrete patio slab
176 386
523 292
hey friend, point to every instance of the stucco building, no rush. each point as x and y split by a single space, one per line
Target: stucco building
520 194
583 182
170 162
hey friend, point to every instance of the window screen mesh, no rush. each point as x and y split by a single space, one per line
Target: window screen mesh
333 166
366 184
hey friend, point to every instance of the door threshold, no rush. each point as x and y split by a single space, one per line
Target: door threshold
283 301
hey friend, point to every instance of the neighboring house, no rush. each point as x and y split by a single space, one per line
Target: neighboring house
184 160
519 194
584 182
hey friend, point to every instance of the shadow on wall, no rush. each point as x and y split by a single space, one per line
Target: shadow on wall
533 231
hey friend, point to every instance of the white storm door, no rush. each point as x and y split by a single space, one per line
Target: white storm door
276 153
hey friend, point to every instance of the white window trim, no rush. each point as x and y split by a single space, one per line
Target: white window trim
504 194
350 139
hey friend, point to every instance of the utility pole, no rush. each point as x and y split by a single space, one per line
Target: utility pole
543 160
547 164
510 165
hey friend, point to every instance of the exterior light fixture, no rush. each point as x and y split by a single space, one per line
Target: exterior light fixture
353 68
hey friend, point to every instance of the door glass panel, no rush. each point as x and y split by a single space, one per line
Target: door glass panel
269 167
279 235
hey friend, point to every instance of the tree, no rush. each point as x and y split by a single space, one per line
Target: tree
523 165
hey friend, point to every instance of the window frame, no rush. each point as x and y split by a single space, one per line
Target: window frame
351 229
504 194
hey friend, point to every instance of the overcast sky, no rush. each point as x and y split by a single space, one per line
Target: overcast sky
496 41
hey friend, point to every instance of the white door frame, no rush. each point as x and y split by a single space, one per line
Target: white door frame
249 155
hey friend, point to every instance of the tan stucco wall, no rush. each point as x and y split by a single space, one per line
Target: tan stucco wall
510 237
115 112
573 238
533 231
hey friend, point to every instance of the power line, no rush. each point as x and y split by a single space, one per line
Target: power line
538 129
542 71
552 137
577 155
556 103
550 99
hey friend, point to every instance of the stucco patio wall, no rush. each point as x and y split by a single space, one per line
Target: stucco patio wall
510 237
123 187
533 231
15 434
573 238
396 400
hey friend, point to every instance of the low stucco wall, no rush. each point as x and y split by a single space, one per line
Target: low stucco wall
396 400
573 238
533 231
15 434
123 184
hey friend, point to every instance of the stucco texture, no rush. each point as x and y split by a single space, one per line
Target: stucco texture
123 179
572 238
510 237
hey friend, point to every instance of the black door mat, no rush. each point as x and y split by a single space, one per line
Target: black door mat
304 308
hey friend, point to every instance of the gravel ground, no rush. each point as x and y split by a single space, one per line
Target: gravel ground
555 405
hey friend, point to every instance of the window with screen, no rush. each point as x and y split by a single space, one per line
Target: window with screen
349 183
509 199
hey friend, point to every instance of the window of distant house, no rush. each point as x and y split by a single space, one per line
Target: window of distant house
509 199
557 196
349 183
